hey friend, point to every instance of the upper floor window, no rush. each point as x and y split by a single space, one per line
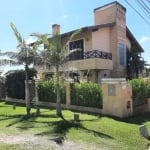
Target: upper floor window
122 54
77 49
79 44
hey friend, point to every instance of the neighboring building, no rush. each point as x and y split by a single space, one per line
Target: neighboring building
103 45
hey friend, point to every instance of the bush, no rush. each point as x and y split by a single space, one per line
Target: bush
2 88
15 83
47 91
140 91
86 94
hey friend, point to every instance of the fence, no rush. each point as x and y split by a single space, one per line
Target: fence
117 100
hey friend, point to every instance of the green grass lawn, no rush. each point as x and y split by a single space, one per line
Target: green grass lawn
104 132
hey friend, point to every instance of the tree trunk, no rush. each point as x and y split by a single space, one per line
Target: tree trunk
58 103
27 92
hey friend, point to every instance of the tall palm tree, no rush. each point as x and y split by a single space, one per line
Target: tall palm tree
26 55
55 55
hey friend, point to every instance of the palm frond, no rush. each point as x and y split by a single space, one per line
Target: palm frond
42 39
74 34
17 34
39 35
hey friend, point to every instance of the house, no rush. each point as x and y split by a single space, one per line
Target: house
103 46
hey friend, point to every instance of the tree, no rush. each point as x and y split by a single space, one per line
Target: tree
55 55
26 55
14 82
135 63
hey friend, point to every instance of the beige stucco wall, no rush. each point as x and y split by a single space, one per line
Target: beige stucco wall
83 64
101 39
105 15
117 34
91 63
116 105
113 45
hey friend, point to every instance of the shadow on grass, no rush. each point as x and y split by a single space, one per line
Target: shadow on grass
22 118
25 122
63 126
5 106
137 119
48 115
8 117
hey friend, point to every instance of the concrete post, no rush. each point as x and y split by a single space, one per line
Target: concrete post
36 92
36 97
68 96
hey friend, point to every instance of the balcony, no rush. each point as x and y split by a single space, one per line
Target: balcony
94 59
78 55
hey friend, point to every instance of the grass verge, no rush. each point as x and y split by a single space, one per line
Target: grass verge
104 132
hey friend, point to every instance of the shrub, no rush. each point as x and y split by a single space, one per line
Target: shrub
2 88
140 91
15 83
47 91
86 94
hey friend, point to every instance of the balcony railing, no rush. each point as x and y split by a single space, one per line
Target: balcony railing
78 55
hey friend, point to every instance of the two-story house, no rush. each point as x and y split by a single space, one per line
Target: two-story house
103 45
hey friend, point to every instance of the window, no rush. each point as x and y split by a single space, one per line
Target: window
122 54
76 45
79 46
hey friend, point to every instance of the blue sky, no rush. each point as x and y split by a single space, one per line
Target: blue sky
38 16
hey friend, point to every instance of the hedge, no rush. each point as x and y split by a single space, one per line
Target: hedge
86 94
47 91
15 83
140 91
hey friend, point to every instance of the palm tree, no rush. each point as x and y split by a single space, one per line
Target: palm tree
26 55
55 55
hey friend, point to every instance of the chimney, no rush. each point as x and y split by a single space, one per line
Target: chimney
55 29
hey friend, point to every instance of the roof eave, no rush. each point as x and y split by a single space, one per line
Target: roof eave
133 39
90 28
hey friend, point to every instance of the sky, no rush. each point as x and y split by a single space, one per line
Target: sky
38 16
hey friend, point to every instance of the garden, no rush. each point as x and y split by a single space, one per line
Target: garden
19 131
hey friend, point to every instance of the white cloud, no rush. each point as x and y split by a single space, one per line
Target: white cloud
144 39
